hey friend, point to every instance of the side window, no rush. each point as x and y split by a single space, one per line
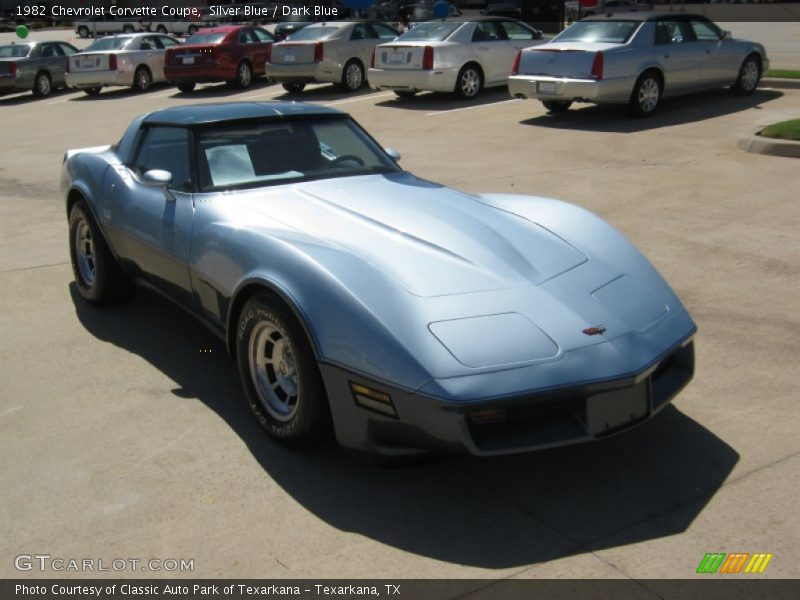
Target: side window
243 37
37 51
67 49
673 32
263 36
148 43
166 148
705 31
50 50
360 32
488 31
517 31
168 42
384 32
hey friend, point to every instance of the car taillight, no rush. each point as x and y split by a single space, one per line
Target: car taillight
427 58
12 69
515 67
318 52
269 53
372 60
597 66
112 62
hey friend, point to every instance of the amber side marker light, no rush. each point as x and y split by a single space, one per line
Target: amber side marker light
373 400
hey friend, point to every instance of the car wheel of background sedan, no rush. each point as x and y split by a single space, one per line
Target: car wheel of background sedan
186 86
192 29
42 85
405 94
352 76
749 76
92 91
646 94
294 88
83 31
127 29
142 79
244 75
469 81
557 106
98 277
279 373
161 29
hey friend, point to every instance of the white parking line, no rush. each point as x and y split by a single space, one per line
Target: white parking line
452 110
364 97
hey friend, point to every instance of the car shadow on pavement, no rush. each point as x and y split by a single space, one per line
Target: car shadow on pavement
324 93
221 90
436 101
512 511
673 111
115 92
27 97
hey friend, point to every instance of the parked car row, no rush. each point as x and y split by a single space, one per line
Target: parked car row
634 58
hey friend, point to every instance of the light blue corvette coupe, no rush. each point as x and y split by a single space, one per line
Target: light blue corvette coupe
404 315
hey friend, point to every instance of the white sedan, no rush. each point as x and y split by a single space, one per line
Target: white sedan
459 55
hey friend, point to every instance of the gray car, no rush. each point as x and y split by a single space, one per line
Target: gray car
335 52
636 59
36 66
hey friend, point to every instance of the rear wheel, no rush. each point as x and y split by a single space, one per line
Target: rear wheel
192 29
42 85
404 94
142 79
186 86
279 373
244 75
294 88
161 29
127 29
352 76
98 277
749 76
557 106
92 91
646 94
469 81
83 31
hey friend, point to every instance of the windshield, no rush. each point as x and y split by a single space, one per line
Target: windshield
431 32
109 43
313 33
14 51
206 38
615 32
243 156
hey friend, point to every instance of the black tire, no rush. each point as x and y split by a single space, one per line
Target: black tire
244 75
42 84
353 77
557 106
192 29
749 76
294 88
83 31
161 29
142 79
405 93
469 82
92 91
186 86
127 29
98 276
266 329
646 94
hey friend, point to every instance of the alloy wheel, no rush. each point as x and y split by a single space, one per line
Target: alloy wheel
43 85
273 369
470 82
749 76
354 77
84 251
648 95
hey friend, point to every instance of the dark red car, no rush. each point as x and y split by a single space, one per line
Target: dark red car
235 54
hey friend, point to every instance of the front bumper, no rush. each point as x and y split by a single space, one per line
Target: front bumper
540 87
413 80
321 72
91 79
510 424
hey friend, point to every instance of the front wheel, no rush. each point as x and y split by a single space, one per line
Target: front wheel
161 29
127 29
749 76
646 95
83 31
186 86
294 88
244 75
469 82
557 106
279 373
192 29
352 76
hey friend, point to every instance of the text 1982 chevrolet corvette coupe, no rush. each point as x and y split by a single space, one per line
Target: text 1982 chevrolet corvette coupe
406 315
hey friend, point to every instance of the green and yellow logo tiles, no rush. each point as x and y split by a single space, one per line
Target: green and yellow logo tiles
733 563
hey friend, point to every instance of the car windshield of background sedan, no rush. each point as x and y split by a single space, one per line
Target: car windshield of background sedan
14 51
243 156
313 33
206 38
109 43
430 32
613 32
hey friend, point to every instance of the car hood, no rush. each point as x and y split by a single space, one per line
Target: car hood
432 240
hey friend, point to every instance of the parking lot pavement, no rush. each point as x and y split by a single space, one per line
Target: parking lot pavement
125 433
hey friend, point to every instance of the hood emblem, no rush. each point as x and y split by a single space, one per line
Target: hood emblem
597 329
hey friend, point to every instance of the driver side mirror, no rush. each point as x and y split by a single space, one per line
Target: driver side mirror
157 178
393 154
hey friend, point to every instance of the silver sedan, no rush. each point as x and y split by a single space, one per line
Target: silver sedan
334 52
459 55
135 60
636 59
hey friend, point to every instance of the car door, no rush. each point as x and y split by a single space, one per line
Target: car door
677 51
150 226
492 48
519 37
264 40
362 40
378 34
157 66
721 61
146 51
67 50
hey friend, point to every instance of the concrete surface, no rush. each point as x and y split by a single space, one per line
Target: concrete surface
124 437
774 147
